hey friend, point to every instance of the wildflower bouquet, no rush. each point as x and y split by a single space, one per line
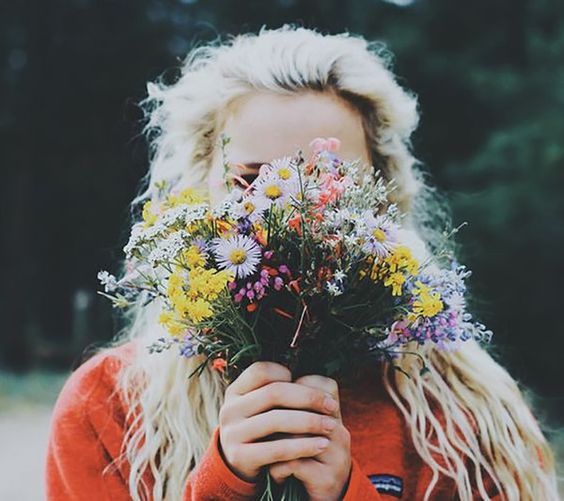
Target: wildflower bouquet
306 266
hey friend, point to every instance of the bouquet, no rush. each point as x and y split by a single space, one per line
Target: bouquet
307 266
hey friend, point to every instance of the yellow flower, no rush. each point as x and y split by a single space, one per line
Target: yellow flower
420 288
171 323
428 305
175 282
396 281
194 256
402 259
188 196
198 310
165 317
148 216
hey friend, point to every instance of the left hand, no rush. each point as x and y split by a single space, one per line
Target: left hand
326 475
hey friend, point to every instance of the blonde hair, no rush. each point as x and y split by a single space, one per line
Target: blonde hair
486 427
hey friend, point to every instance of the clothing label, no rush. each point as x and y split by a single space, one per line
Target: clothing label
387 484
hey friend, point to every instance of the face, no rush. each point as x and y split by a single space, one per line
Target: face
263 126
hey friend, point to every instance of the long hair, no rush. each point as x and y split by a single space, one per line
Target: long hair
486 426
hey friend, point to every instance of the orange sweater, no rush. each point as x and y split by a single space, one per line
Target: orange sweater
88 424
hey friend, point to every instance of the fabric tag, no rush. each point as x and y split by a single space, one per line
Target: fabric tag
387 484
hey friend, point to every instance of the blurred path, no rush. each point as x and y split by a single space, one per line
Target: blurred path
25 409
23 435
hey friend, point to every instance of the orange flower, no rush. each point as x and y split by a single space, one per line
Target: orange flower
260 235
219 364
222 226
251 307
295 223
271 271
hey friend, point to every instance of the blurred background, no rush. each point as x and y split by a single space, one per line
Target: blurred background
490 79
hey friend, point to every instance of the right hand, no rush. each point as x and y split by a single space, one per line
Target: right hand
263 401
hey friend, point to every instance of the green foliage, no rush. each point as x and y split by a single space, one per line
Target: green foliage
490 80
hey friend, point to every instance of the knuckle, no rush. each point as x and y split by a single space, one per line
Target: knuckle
279 453
274 393
259 370
316 423
315 398
332 386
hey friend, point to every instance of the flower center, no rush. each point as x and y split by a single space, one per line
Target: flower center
273 192
379 235
238 256
249 207
284 173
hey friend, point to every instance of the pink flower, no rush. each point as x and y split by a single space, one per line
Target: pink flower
320 144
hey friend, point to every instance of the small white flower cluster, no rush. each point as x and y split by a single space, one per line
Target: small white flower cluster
182 215
108 280
178 216
225 207
336 286
168 248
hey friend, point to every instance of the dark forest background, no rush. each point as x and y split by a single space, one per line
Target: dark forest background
490 79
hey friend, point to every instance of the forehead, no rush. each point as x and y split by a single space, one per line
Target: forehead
264 125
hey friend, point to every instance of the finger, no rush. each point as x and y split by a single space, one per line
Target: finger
322 383
284 421
287 395
302 469
260 454
257 375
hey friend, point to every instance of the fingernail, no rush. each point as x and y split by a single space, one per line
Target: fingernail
322 443
330 404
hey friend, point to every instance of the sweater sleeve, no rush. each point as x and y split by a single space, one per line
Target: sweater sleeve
85 439
213 479
360 486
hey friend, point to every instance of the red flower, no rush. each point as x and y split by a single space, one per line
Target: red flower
219 364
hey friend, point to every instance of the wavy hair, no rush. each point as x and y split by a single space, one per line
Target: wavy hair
487 427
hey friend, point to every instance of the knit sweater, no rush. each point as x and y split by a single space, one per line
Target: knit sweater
89 422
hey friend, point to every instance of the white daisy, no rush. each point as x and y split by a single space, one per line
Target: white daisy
271 190
239 254
282 169
251 207
379 234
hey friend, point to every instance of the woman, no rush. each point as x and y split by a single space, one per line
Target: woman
131 425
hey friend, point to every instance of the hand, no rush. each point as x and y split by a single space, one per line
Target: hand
326 475
263 401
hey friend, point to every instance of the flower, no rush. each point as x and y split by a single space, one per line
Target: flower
168 248
240 254
219 364
251 207
108 281
378 234
428 304
396 281
270 189
194 256
281 169
149 216
188 196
